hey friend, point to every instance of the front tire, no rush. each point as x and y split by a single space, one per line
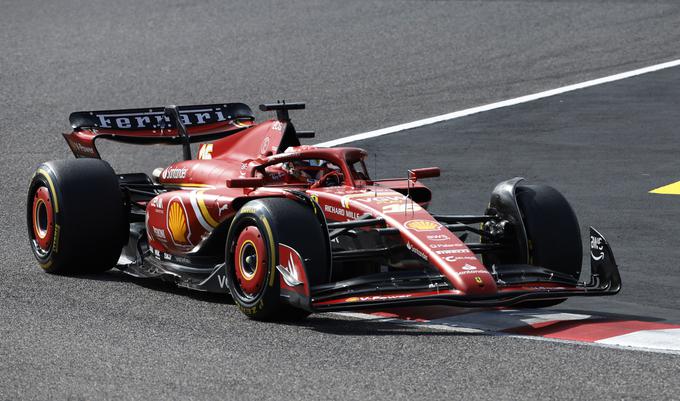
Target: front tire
75 216
552 228
252 255
553 233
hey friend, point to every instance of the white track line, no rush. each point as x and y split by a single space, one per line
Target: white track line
498 105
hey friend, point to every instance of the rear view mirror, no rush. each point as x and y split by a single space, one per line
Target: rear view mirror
427 172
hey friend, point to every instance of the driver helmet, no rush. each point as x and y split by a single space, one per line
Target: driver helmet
309 170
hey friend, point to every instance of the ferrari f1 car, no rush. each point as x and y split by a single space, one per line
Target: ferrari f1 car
289 230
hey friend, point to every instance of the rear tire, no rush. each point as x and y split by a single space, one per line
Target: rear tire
252 255
553 233
76 217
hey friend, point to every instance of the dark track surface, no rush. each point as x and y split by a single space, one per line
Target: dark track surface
603 147
360 66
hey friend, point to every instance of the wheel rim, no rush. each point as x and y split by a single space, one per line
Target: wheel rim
250 262
42 220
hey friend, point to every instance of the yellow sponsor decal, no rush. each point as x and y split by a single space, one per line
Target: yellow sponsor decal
177 223
422 225
670 189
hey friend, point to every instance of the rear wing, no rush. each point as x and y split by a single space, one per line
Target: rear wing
155 125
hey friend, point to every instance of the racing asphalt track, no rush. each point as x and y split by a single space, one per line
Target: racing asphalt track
603 147
360 66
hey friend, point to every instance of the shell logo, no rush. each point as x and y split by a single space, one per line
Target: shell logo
178 223
422 225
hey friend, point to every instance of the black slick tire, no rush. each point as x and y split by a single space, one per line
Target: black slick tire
553 233
76 216
252 255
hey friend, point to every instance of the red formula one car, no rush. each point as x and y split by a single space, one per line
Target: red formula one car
288 229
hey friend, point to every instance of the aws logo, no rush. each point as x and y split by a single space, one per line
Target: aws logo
178 223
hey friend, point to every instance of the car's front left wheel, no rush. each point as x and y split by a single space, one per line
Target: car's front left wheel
252 255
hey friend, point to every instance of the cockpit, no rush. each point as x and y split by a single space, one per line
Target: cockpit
317 172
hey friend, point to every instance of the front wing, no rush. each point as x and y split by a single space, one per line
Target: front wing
516 284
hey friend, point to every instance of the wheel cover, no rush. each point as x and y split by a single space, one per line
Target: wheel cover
250 261
43 219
